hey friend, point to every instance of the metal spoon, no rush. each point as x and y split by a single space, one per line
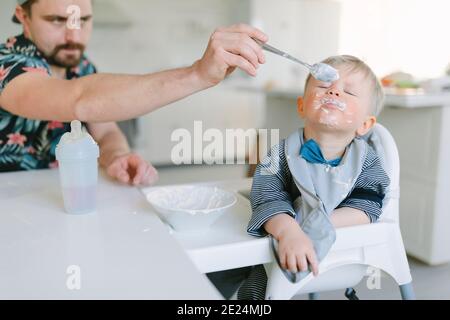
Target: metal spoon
321 71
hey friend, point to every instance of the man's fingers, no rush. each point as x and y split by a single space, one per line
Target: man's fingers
123 176
146 177
122 163
244 51
249 30
135 168
140 173
118 173
230 48
151 176
257 49
242 44
237 61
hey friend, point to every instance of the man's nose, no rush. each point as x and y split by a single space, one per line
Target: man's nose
72 35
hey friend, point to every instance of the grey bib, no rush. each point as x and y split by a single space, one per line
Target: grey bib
322 188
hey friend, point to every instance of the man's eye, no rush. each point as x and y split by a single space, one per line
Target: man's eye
58 21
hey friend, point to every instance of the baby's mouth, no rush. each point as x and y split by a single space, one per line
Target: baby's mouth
333 103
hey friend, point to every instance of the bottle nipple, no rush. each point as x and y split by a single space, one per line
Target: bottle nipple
76 129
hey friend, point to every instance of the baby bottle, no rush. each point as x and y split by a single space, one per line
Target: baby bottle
77 154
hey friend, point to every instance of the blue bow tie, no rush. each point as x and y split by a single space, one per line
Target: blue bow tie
310 151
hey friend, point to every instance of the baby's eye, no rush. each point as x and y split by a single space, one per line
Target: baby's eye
323 87
350 93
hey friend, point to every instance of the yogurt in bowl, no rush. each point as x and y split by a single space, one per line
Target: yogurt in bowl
190 208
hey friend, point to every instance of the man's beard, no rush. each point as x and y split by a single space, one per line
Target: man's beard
70 61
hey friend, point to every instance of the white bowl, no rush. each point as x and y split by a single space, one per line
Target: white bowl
190 208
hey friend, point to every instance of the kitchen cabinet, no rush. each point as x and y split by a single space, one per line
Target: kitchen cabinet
420 126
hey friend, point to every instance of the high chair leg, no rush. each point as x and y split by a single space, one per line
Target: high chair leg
407 291
350 294
313 296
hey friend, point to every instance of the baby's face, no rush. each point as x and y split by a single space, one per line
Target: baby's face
343 105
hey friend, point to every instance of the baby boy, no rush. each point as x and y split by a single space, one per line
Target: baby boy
323 177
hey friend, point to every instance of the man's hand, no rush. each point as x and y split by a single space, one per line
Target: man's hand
132 169
296 251
228 49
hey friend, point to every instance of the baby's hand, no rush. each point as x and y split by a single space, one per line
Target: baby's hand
296 251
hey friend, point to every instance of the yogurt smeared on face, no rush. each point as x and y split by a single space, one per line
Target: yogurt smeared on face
340 105
326 104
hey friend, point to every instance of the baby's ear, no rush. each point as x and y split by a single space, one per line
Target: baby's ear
366 126
300 108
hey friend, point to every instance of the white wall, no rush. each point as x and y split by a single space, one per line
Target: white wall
142 36
410 35
163 34
292 27
391 35
7 28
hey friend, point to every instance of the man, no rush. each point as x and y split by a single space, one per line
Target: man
37 101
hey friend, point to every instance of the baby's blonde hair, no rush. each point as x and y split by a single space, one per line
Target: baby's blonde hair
358 65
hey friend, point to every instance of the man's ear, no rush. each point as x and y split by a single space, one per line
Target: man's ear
366 126
23 18
300 109
20 14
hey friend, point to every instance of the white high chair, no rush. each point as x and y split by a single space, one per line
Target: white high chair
377 245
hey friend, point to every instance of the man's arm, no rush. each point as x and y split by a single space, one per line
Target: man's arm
116 158
107 97
111 141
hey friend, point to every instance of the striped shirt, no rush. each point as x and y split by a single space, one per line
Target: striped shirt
273 194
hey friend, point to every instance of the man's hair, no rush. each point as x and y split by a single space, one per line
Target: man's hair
27 6
358 65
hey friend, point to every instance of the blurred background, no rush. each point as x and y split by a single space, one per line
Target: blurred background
139 36
404 41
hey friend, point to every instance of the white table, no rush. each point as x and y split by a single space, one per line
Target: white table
121 252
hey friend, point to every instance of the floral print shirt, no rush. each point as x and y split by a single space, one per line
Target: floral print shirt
27 144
